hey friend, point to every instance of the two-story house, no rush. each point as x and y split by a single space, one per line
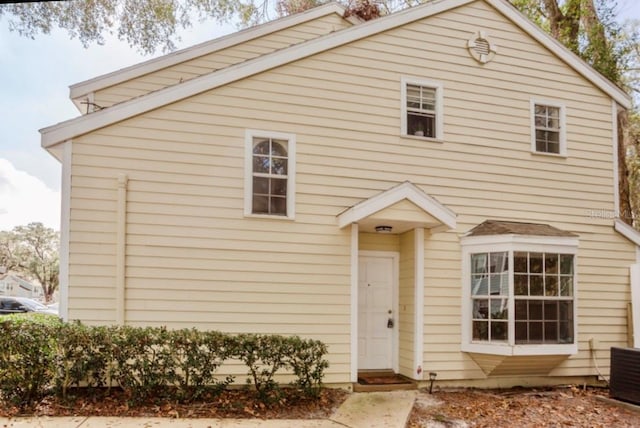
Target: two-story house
431 191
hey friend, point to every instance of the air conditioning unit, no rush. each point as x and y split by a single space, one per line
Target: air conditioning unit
625 374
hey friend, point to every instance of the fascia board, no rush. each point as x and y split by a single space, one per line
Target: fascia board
627 231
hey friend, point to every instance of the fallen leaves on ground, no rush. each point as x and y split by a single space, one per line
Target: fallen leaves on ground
240 403
549 407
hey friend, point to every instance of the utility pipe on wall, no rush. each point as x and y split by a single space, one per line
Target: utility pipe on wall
121 236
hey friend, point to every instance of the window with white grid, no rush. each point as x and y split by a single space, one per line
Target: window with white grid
270 174
548 128
422 108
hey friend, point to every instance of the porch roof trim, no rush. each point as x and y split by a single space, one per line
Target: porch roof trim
393 195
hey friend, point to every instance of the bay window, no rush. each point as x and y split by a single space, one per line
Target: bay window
519 294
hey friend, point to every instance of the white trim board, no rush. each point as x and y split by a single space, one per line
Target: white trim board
418 327
616 166
66 130
65 221
354 302
627 231
635 303
97 83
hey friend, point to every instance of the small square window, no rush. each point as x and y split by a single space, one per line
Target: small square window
422 108
548 128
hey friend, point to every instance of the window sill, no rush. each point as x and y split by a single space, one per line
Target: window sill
269 217
417 137
520 350
553 155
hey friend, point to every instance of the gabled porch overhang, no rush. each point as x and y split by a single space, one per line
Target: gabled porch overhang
408 212
403 207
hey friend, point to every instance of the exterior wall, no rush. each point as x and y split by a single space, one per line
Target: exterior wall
405 318
192 259
378 242
217 60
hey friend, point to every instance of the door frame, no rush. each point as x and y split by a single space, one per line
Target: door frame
395 280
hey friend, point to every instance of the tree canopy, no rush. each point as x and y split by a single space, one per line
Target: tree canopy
32 252
587 27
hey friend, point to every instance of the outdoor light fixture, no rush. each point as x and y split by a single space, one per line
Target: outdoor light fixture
384 229
432 378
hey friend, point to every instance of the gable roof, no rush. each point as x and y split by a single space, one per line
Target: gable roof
496 227
69 129
84 88
389 197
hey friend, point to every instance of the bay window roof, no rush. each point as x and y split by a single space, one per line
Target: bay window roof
498 227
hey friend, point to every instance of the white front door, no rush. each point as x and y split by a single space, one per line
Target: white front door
375 309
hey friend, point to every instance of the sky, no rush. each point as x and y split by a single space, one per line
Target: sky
35 76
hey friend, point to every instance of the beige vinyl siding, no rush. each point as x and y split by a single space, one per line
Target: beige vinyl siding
378 242
220 59
405 317
194 260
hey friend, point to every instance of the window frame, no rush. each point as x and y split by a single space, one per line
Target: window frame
511 244
562 137
250 134
439 112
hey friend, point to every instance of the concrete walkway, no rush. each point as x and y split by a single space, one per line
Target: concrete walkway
360 410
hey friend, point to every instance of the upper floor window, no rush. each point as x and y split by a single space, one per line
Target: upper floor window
270 174
548 128
422 108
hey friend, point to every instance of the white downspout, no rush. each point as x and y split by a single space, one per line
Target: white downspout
121 236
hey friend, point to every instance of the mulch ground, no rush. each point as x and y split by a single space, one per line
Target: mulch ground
229 404
552 407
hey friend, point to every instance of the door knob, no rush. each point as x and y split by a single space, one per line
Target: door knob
390 323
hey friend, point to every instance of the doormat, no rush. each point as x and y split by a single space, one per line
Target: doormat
387 379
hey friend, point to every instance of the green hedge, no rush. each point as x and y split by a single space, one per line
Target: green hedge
40 356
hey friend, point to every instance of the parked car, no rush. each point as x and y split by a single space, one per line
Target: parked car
16 305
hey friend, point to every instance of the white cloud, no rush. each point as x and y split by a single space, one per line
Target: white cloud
25 199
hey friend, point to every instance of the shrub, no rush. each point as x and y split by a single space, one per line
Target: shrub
26 359
264 355
308 365
144 361
197 356
39 352
82 357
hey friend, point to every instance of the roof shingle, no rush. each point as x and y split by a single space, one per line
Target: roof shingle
496 227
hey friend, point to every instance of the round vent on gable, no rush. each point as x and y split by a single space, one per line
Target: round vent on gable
481 48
